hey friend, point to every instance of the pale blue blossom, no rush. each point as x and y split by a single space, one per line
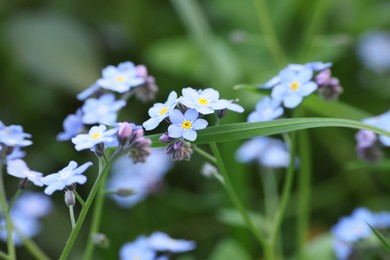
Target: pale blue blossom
381 121
102 110
14 136
293 86
120 79
16 153
185 125
140 178
266 109
160 111
138 249
19 169
73 125
71 174
204 101
33 204
96 135
160 241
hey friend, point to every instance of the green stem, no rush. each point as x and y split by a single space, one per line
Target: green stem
72 220
304 178
234 197
84 211
79 199
32 247
285 193
271 38
16 195
205 154
97 215
7 217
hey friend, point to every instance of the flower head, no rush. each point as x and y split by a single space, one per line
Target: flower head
266 109
13 136
71 174
73 125
138 249
381 121
102 110
120 79
185 125
18 168
160 111
160 241
96 135
204 101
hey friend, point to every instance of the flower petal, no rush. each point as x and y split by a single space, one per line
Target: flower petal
175 131
176 117
190 135
199 124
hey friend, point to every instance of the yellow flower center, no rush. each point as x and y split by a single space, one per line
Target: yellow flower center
163 111
95 135
202 101
186 125
294 86
120 79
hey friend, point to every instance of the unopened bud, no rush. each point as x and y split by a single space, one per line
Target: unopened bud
169 149
99 150
220 113
70 198
178 144
101 240
23 184
124 192
124 132
165 138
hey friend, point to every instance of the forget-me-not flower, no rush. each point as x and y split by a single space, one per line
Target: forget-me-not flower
293 86
160 241
138 249
266 109
14 136
69 175
102 110
160 111
120 79
96 135
73 125
185 125
19 169
204 101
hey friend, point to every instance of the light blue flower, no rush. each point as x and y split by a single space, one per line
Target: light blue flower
160 241
88 92
293 86
73 125
33 204
69 175
381 121
204 101
102 110
267 151
96 135
140 178
374 51
120 79
160 111
342 249
29 227
19 169
138 249
185 125
16 153
14 136
266 109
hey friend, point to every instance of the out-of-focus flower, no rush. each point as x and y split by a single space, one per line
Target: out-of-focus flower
120 79
96 135
269 152
365 138
204 101
13 136
102 110
149 89
185 125
328 87
374 51
68 176
160 111
266 109
381 121
179 150
73 125
141 179
138 249
88 92
293 86
19 169
160 241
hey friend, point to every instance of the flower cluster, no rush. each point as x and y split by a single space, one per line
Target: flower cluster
148 248
184 115
351 234
12 139
25 215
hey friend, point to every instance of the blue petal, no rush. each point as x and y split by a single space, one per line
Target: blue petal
175 131
191 115
292 100
199 124
190 135
176 117
82 168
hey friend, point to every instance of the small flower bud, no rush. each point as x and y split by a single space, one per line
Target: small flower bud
142 71
220 113
371 154
365 138
184 153
70 198
101 240
99 149
165 138
124 192
23 184
178 144
140 152
169 149
71 187
124 132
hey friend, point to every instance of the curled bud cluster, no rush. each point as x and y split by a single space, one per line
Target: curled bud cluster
368 147
177 148
328 87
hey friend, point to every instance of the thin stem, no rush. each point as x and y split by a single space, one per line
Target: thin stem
32 247
7 217
271 38
84 211
97 215
205 154
16 195
234 197
79 199
72 220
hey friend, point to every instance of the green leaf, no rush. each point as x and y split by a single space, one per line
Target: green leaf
381 238
229 249
234 218
240 131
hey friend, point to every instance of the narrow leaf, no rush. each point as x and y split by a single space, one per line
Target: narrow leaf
382 239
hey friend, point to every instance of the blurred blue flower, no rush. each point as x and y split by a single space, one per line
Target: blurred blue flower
138 249
342 249
96 135
65 177
269 152
141 179
294 85
266 109
160 111
16 153
33 204
381 121
365 138
13 136
88 92
19 169
120 79
374 51
185 125
160 241
73 125
102 110
204 101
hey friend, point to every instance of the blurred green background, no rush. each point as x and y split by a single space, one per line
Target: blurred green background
52 50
